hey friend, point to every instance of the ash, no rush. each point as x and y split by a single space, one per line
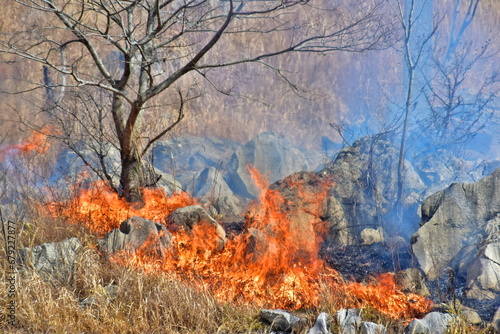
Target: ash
360 262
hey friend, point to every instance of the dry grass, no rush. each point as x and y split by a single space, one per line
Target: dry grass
102 297
135 303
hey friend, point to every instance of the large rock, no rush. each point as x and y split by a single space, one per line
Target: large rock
411 280
496 320
280 320
454 221
483 276
176 156
440 168
366 179
273 156
70 167
432 323
349 320
138 234
368 327
55 260
211 189
168 183
321 325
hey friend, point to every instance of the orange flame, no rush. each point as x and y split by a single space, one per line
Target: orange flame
274 263
37 142
385 295
101 210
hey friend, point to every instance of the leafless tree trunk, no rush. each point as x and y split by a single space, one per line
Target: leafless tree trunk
414 49
153 44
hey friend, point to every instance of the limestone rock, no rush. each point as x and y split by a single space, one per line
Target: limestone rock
483 276
453 222
189 153
471 316
349 320
432 323
55 260
412 280
370 236
496 320
138 234
273 156
321 326
365 176
368 327
279 320
439 168
168 182
211 189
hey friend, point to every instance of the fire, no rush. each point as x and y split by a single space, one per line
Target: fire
274 263
384 295
101 210
37 142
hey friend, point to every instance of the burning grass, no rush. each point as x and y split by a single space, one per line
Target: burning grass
109 297
274 263
140 303
101 210
198 287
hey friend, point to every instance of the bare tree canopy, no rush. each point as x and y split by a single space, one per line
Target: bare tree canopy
111 58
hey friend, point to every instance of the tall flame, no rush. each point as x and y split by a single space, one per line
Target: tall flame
274 263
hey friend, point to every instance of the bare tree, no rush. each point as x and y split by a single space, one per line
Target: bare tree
132 51
415 49
457 28
458 109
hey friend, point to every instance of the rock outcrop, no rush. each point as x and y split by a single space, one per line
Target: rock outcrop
54 261
211 189
365 176
138 234
273 156
483 275
455 221
432 323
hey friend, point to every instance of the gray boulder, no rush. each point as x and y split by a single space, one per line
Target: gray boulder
186 219
55 260
273 156
280 320
440 168
454 221
365 176
432 323
349 320
368 327
179 155
138 234
496 320
168 183
212 190
322 325
69 165
483 276
411 280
